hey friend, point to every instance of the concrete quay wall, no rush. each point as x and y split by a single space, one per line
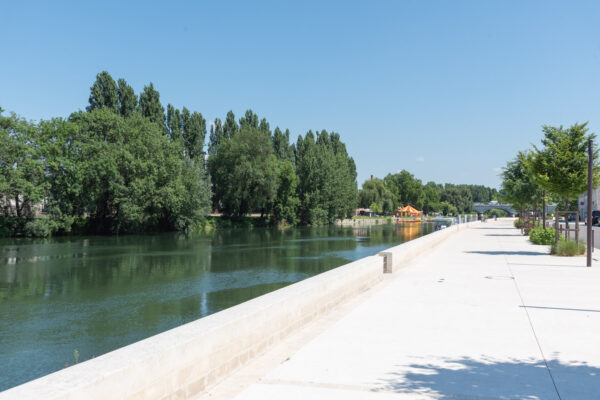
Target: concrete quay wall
182 362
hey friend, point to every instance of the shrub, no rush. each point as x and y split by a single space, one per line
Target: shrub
40 227
518 223
568 248
539 235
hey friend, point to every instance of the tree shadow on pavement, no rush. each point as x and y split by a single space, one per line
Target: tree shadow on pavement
546 265
466 378
503 234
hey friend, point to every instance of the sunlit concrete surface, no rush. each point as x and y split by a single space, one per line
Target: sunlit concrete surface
484 315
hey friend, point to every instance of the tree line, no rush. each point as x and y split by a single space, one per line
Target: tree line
555 171
402 188
126 164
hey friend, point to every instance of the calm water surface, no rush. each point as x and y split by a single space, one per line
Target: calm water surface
96 294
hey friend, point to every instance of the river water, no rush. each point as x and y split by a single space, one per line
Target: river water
96 294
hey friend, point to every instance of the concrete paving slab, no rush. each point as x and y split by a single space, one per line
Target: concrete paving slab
485 315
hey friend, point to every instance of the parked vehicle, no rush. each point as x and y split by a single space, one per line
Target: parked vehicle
595 217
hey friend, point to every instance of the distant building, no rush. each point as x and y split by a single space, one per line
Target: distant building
366 212
582 202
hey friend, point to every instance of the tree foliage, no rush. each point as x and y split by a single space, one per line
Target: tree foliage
127 98
127 166
518 186
244 173
560 166
150 106
376 196
327 188
406 189
103 93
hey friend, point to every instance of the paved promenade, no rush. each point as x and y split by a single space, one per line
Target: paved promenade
485 315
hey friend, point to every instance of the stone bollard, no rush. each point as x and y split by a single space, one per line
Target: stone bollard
387 262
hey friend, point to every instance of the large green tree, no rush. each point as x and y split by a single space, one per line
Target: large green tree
406 189
376 196
458 196
133 178
150 106
560 165
103 93
327 188
432 199
22 179
127 98
174 123
281 145
194 133
518 185
230 127
216 136
244 173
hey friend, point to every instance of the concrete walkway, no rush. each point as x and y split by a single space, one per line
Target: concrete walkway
485 315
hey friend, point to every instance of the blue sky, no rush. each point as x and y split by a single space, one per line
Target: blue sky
448 90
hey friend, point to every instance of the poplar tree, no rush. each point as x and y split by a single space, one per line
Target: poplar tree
127 98
281 145
216 136
249 120
150 106
194 132
230 128
103 93
174 122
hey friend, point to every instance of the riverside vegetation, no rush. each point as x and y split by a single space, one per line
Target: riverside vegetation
127 165
556 171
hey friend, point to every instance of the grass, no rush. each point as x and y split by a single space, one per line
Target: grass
568 248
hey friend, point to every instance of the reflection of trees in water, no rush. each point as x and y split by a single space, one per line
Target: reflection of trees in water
111 265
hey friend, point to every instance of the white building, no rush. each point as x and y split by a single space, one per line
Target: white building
582 202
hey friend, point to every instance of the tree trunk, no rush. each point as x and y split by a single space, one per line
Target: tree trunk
567 219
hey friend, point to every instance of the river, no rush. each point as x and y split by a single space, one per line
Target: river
98 293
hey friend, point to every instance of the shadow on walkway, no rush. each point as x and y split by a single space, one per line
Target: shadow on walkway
561 309
549 265
502 234
489 379
509 253
492 227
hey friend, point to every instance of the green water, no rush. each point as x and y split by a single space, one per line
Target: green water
96 294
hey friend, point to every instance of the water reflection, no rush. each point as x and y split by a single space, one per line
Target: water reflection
97 294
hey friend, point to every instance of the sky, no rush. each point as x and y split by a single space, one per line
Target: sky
448 90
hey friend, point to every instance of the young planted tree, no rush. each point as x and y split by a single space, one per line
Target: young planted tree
560 166
518 185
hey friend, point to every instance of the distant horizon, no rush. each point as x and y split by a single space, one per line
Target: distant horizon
447 91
